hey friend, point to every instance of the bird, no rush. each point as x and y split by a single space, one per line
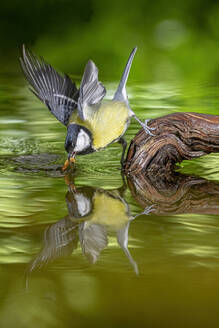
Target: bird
92 122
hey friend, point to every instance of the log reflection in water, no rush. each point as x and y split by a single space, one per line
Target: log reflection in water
175 194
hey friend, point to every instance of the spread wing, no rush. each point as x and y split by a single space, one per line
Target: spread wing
91 90
58 92
93 239
60 239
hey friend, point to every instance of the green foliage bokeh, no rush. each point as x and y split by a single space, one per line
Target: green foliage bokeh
176 39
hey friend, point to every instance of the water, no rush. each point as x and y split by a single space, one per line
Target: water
64 260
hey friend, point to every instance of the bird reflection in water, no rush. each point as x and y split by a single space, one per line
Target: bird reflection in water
93 214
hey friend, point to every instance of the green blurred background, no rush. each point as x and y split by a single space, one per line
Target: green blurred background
177 40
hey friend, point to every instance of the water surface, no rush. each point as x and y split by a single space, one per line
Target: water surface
99 264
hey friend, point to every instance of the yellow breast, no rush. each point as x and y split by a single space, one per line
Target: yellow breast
109 211
108 123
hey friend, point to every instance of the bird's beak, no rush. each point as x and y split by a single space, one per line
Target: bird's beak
70 160
71 157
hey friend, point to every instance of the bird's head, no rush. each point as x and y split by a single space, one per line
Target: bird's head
78 140
80 202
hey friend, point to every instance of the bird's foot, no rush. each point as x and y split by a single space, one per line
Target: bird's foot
146 211
147 128
144 125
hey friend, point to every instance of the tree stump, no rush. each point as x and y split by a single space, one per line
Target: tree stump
177 137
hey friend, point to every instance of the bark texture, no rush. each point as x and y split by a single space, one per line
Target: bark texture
177 137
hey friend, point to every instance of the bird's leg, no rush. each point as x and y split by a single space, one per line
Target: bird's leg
144 125
123 188
122 142
122 238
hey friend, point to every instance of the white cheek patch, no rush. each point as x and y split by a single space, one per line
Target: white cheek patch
83 141
83 203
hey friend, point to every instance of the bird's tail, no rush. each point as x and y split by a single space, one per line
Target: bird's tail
120 94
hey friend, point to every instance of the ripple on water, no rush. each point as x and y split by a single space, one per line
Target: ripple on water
172 252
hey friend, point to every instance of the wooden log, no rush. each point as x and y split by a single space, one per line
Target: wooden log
178 136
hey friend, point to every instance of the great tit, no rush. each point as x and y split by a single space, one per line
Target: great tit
92 124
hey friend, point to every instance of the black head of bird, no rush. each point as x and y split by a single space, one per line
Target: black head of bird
78 140
92 124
